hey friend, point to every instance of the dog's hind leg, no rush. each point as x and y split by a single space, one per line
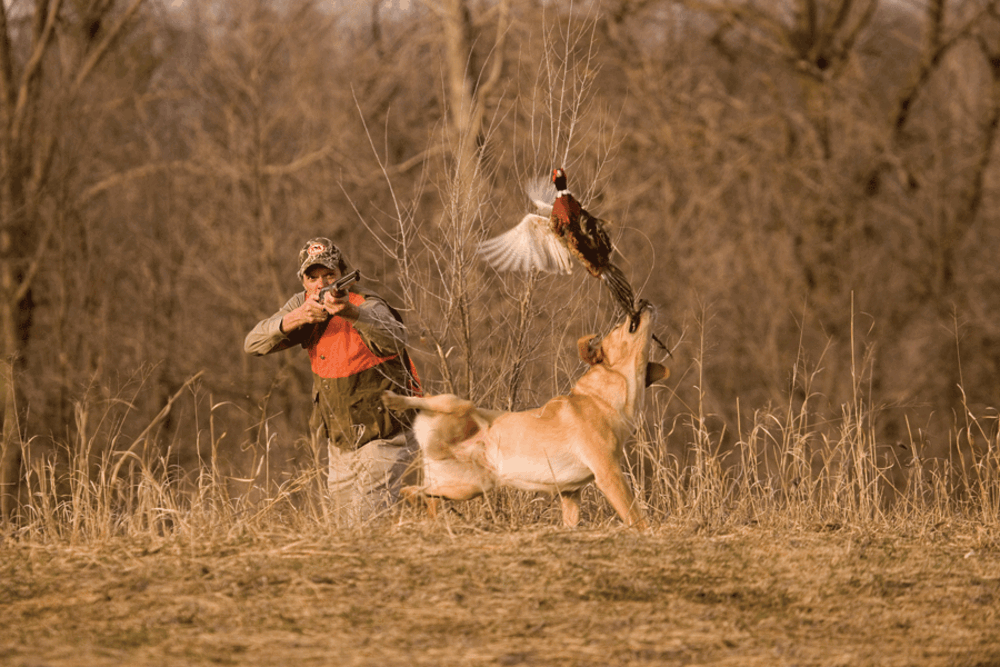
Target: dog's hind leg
570 501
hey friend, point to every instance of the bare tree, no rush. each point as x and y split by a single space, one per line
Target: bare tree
38 87
470 86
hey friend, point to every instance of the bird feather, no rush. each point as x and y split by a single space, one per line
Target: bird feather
620 288
528 246
542 193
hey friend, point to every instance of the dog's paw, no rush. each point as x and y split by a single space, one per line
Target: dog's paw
411 494
415 497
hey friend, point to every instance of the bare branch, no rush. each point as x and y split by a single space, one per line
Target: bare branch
937 48
41 247
120 178
95 56
7 96
32 69
297 164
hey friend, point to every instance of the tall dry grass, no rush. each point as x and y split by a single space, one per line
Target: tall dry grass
790 468
796 465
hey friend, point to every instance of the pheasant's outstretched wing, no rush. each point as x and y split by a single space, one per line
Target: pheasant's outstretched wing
529 246
542 193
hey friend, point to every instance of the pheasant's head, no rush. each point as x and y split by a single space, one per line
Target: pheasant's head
559 179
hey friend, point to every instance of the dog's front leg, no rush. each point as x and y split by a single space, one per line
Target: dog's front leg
615 488
570 501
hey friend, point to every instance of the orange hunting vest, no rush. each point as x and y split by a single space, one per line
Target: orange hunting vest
349 380
340 352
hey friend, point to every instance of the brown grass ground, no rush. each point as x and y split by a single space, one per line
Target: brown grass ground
417 592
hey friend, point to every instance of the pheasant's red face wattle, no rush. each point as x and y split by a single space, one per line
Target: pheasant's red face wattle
559 179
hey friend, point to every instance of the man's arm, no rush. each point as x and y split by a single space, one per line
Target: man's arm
379 328
273 333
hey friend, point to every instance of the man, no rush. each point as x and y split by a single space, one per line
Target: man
356 344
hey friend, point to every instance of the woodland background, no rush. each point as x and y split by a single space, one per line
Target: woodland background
806 189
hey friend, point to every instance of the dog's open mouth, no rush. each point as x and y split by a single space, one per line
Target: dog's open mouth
636 316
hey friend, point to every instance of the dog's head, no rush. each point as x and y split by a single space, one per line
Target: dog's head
626 348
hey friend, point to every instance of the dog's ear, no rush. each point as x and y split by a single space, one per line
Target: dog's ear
656 372
590 349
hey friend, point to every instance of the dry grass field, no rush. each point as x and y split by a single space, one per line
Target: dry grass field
789 550
415 591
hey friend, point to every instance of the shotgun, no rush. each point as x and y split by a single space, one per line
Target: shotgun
340 286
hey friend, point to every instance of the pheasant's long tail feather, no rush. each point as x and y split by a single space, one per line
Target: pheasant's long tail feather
616 281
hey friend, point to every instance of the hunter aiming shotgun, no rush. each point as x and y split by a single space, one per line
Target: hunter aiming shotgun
340 285
356 345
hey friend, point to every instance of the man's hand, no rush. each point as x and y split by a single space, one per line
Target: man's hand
312 311
340 306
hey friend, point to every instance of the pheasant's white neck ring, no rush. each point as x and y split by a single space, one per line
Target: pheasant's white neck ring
563 193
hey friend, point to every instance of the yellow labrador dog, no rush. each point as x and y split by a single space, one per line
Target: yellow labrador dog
556 448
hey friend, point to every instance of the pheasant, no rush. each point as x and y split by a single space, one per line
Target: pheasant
561 230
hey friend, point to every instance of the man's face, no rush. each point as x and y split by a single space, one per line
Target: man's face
317 277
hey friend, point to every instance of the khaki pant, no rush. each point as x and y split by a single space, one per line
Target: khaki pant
365 482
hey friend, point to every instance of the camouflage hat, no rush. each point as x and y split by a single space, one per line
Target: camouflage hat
320 251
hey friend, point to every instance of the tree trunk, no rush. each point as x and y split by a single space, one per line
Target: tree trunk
467 87
10 446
